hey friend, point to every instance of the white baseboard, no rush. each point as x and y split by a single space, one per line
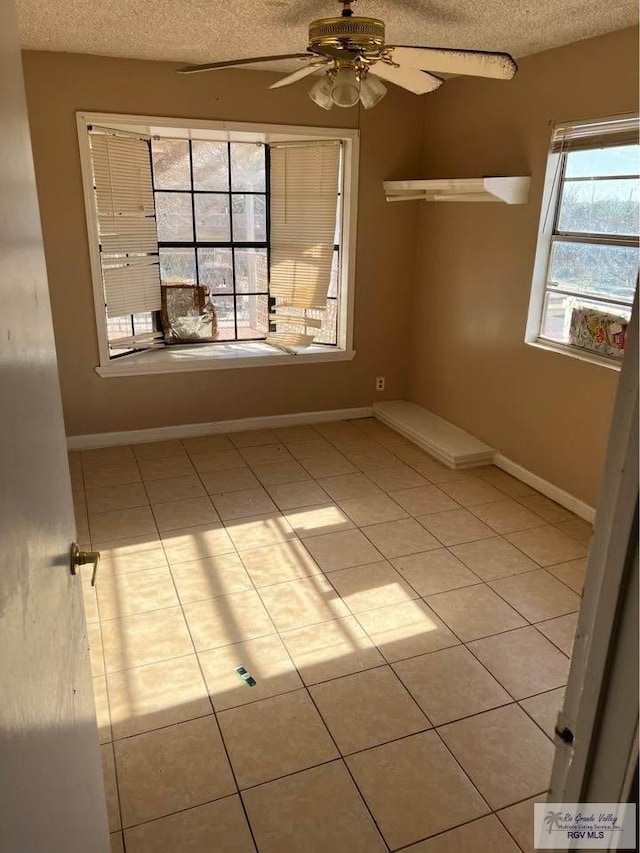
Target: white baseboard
555 493
136 436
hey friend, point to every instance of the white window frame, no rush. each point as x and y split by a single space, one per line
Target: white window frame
221 356
550 200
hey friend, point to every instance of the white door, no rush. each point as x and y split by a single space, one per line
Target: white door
51 792
597 758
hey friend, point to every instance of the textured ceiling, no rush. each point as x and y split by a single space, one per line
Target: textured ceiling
210 30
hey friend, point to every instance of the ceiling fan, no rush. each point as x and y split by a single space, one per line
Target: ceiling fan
352 54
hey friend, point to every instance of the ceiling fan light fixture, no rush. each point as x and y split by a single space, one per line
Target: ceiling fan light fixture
347 47
345 91
320 92
372 91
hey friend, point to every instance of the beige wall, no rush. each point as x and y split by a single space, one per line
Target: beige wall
547 412
58 85
467 311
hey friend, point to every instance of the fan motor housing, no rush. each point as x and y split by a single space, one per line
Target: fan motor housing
367 34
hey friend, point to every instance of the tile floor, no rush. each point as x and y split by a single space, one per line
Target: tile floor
408 628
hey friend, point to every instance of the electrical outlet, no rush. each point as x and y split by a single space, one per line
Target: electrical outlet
379 383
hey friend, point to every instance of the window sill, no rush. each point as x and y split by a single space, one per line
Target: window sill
578 354
187 359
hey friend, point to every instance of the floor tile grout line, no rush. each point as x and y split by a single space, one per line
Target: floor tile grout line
516 498
554 565
187 809
341 757
444 622
299 687
113 743
504 687
460 642
284 631
533 719
520 802
532 558
549 640
324 621
364 473
492 813
463 771
215 716
165 726
306 687
386 558
519 612
347 768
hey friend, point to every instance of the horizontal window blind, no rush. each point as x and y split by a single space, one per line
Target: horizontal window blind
304 198
126 223
605 133
145 340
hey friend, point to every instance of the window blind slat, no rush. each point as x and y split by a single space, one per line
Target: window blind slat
127 235
606 133
145 340
126 224
304 198
295 319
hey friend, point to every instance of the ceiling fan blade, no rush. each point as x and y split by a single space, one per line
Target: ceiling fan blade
474 63
416 81
315 65
334 52
212 66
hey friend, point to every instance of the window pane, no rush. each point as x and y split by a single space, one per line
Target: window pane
337 235
600 207
210 166
118 327
215 268
177 266
247 167
252 313
143 323
171 164
589 325
224 312
335 268
212 218
621 160
251 270
555 317
609 271
249 218
328 334
174 217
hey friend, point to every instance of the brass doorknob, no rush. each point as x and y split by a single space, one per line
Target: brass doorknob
83 558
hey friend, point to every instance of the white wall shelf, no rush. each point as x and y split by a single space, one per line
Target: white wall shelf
506 190
448 443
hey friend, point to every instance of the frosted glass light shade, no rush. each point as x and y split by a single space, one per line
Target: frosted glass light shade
372 91
346 88
320 92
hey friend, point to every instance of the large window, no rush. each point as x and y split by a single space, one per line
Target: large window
587 266
181 225
211 202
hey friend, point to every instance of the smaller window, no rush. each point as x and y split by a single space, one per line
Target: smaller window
586 271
